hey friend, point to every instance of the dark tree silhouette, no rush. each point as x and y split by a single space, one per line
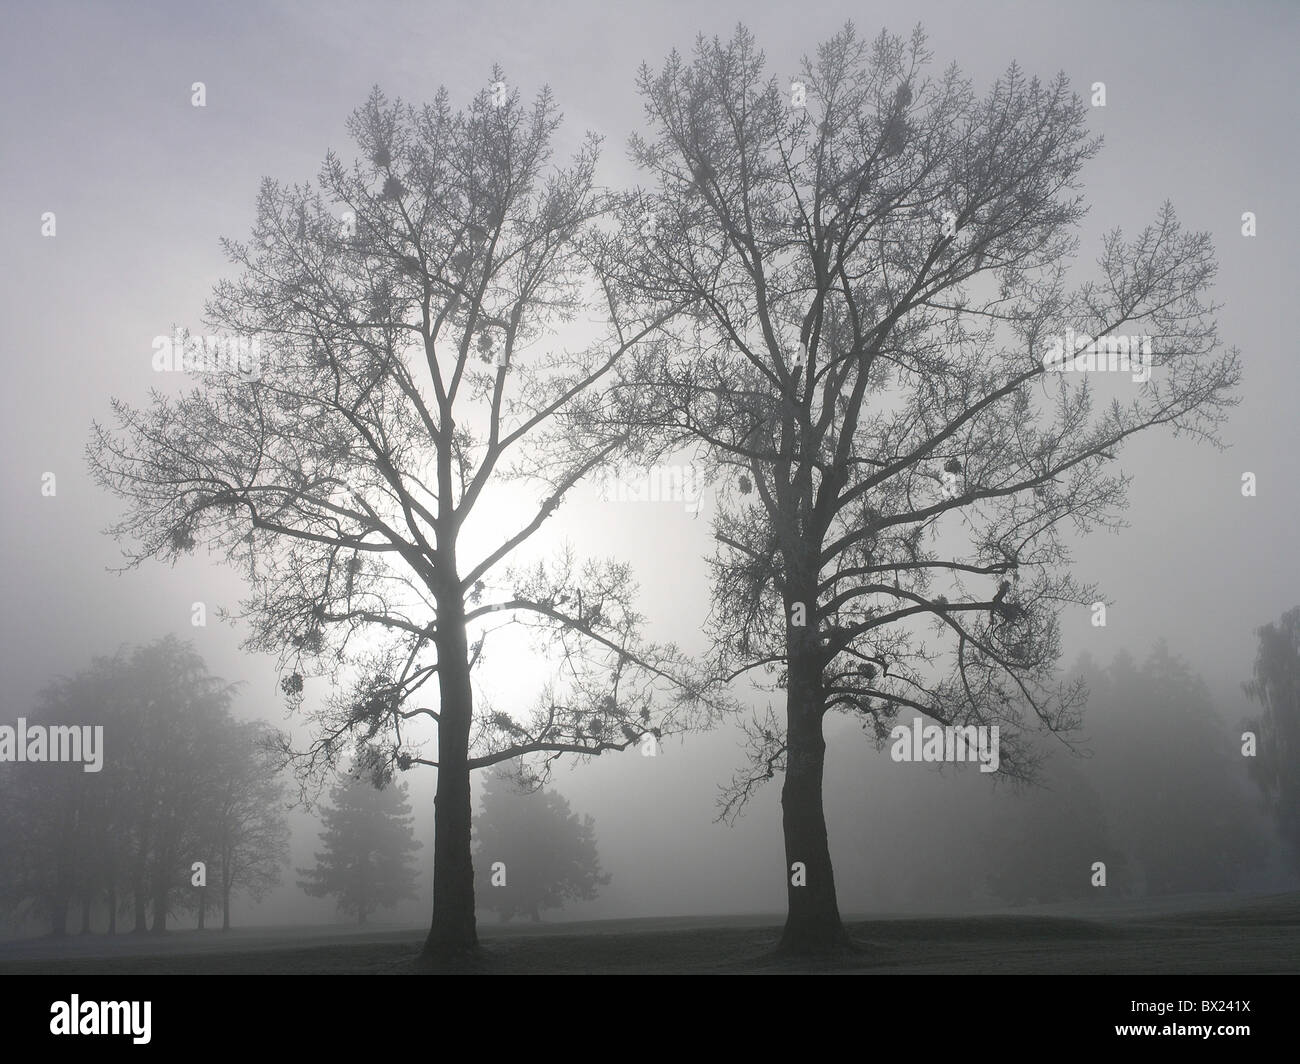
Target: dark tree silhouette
247 834
548 853
1276 687
367 861
402 378
43 811
1047 840
179 782
878 280
175 714
1171 781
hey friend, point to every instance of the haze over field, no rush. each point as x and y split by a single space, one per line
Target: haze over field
1199 111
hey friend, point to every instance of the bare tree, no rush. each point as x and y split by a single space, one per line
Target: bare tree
401 311
247 830
1275 685
881 374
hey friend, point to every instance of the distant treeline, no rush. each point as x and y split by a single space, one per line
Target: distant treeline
186 811
1162 797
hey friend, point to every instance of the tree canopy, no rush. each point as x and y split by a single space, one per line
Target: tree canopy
877 262
369 843
533 853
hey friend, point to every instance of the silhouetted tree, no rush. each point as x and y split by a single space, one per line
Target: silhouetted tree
178 776
1046 840
45 811
1170 778
877 273
175 714
1276 687
402 378
368 842
548 853
246 834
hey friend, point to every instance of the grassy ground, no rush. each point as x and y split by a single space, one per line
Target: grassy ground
1256 936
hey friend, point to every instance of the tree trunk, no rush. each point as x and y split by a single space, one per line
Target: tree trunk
63 892
159 907
813 922
453 929
225 910
139 899
59 916
85 913
203 907
112 908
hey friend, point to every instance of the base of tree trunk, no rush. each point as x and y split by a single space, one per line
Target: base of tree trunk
821 941
453 934
448 956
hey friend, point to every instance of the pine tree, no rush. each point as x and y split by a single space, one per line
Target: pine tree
368 844
548 852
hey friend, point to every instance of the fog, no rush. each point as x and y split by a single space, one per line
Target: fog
99 129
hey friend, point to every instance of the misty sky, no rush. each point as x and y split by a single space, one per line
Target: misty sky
97 126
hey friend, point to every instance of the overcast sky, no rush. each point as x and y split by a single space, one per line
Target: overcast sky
97 126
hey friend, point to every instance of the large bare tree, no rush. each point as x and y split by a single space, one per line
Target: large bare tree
405 312
880 371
